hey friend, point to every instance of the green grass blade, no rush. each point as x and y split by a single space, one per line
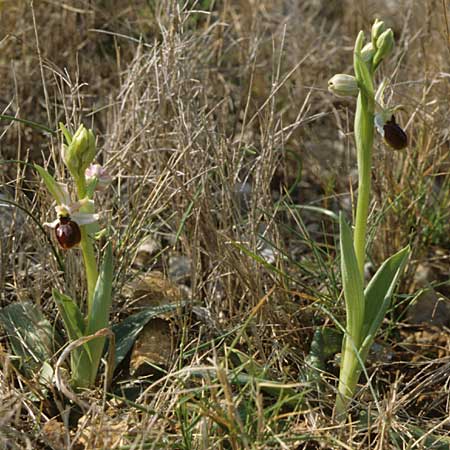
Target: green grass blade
30 123
259 259
326 212
36 221
187 213
100 310
378 295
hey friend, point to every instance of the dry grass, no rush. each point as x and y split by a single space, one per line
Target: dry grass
216 124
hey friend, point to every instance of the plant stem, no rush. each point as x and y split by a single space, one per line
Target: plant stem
364 129
89 259
348 378
90 264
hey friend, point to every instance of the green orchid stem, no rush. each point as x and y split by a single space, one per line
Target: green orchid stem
87 248
348 379
90 265
350 367
364 129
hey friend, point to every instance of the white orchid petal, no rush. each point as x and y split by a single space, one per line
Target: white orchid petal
84 218
380 92
51 224
379 124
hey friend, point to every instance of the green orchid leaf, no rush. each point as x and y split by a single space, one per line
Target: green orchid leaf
98 316
80 357
33 339
352 283
354 305
363 75
52 185
378 295
66 133
128 330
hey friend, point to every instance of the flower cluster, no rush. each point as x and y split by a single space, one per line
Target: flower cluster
78 155
343 85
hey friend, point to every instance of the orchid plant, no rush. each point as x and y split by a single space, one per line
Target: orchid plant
365 306
33 339
76 225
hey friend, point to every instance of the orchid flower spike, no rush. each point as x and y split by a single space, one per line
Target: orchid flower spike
79 151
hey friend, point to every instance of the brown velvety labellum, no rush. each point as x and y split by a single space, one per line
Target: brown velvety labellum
67 233
394 135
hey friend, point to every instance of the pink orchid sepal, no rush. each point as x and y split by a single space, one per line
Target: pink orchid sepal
97 177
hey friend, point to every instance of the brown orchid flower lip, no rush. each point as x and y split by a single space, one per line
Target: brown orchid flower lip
394 135
67 233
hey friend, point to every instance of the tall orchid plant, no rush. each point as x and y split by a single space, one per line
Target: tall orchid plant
365 306
76 224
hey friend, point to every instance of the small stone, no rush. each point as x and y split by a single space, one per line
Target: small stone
146 251
152 289
179 268
53 433
153 347
430 308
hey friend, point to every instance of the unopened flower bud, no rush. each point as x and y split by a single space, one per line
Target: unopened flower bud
378 28
385 44
367 52
343 85
80 152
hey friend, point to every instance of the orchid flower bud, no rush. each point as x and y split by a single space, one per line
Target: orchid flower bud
343 85
378 28
367 52
80 152
385 44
